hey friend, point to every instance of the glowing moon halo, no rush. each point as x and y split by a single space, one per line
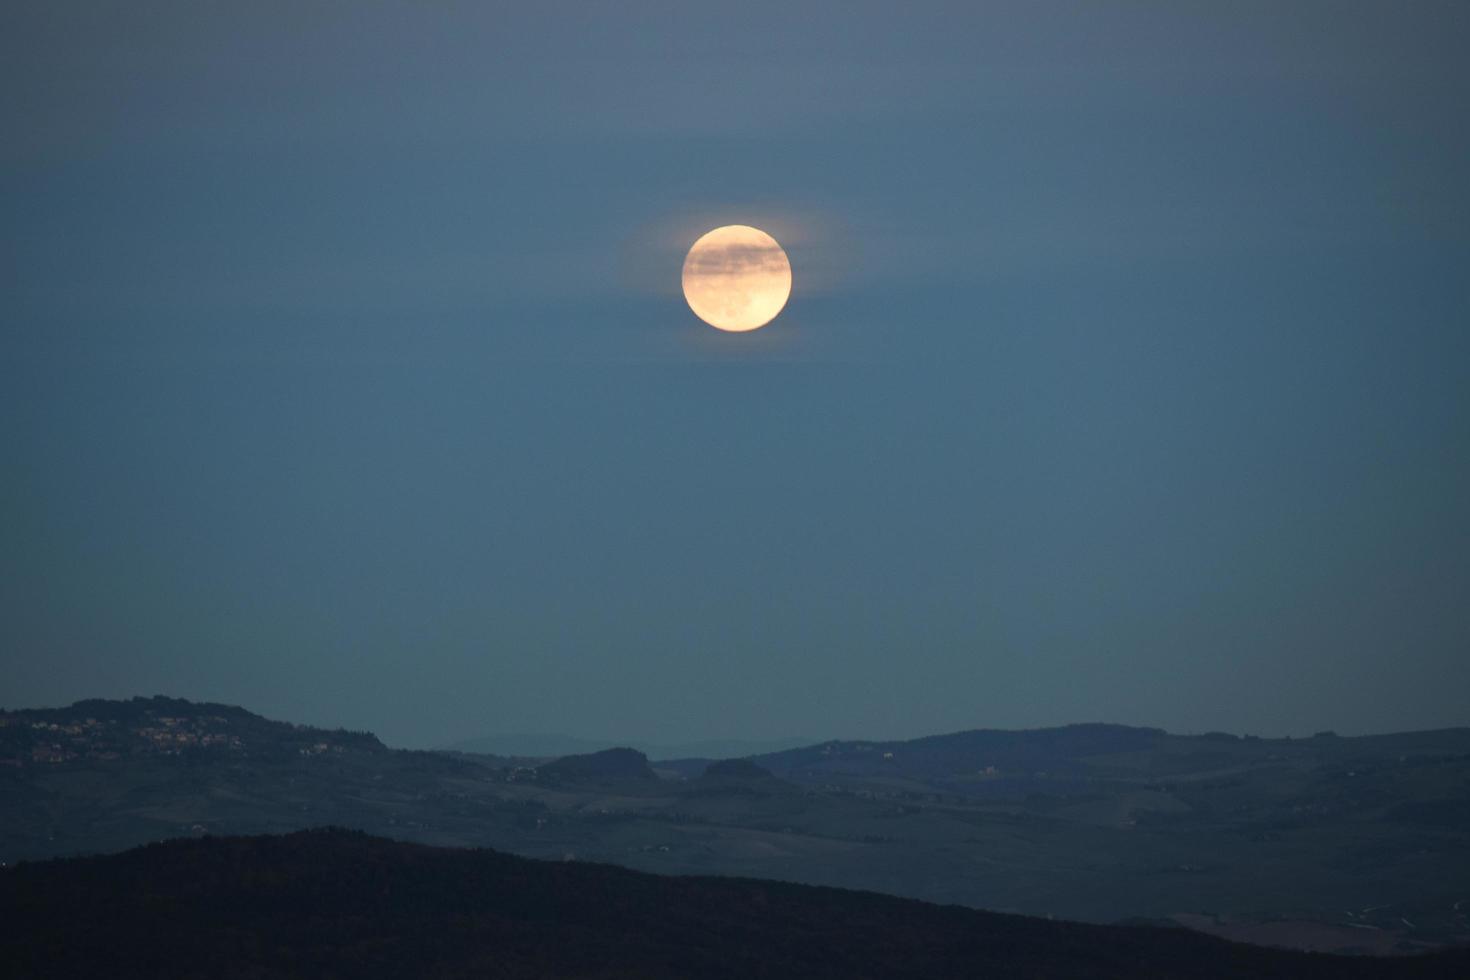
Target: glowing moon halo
736 278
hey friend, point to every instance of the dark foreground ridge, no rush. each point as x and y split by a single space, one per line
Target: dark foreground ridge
342 903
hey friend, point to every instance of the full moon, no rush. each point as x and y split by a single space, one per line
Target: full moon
736 278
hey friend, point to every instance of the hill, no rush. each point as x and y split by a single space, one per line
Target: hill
742 769
1325 843
552 746
609 765
105 731
336 903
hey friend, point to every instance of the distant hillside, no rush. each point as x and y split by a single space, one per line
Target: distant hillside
1340 844
103 731
335 903
737 769
528 746
739 778
994 763
610 765
1056 751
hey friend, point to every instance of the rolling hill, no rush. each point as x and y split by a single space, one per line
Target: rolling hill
335 903
1326 843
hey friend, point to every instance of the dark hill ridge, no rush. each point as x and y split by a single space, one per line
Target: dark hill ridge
1056 751
739 778
338 903
995 762
607 765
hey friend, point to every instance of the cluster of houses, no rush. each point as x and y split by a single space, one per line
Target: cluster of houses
51 743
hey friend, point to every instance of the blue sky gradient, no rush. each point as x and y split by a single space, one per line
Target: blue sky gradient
344 372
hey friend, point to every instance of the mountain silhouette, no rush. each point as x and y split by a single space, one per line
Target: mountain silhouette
334 903
607 765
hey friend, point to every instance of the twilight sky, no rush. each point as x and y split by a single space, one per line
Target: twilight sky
344 372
